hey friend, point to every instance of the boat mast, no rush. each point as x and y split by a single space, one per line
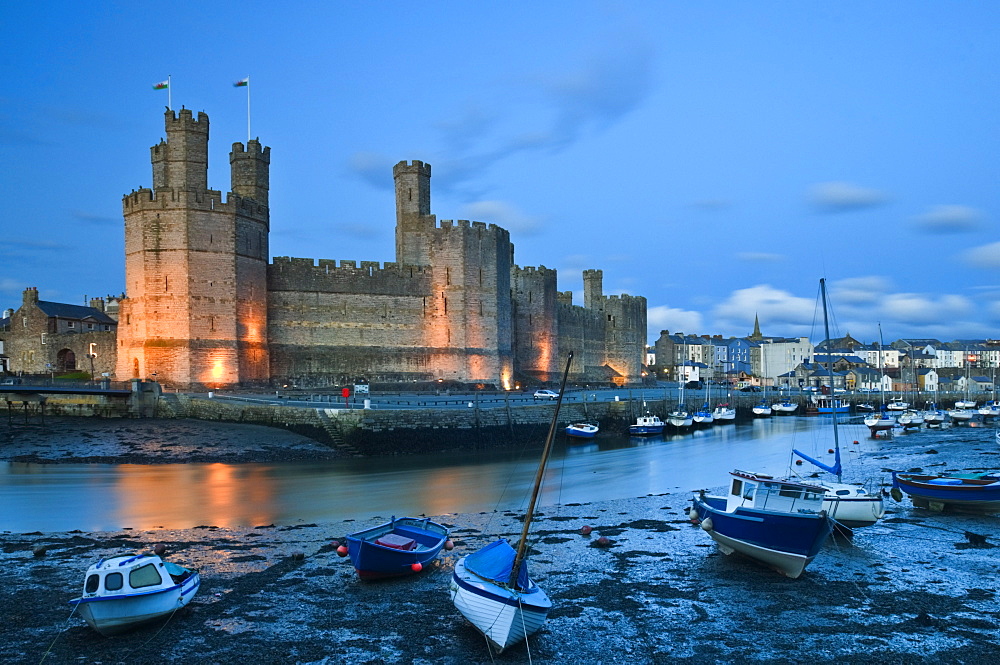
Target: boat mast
522 546
833 390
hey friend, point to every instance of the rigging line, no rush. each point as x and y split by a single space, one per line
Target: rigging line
524 629
63 630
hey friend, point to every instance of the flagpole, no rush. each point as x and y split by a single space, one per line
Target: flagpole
248 113
169 91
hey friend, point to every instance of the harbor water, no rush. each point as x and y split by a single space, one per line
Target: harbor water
67 496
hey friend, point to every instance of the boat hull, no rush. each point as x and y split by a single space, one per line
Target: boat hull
374 560
504 616
581 431
117 614
786 542
976 493
645 430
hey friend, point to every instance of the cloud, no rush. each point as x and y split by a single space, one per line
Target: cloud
985 256
833 197
859 291
919 309
760 257
359 230
948 219
774 306
662 317
502 214
98 220
373 168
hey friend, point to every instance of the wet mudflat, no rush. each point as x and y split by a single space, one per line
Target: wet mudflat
917 588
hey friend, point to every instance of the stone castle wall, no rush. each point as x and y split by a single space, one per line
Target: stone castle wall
204 307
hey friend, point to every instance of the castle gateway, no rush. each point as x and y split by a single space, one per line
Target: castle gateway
205 309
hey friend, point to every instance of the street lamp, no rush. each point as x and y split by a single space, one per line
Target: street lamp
91 356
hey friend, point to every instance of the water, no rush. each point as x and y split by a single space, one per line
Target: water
92 497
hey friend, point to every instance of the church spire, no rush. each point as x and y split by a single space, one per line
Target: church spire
756 329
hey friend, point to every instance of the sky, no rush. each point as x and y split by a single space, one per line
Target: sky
718 158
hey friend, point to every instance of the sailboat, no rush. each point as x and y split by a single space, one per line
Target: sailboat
763 409
933 416
680 418
880 421
491 587
848 505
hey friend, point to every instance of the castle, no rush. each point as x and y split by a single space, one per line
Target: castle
205 308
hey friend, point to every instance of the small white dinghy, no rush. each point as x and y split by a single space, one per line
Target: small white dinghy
124 591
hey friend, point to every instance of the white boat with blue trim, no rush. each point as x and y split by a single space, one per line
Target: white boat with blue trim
125 591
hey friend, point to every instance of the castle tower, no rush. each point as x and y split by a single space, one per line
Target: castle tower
413 212
593 289
195 265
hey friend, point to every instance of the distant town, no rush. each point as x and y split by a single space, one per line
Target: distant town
924 365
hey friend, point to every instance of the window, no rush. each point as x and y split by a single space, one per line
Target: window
144 576
71 324
92 583
113 581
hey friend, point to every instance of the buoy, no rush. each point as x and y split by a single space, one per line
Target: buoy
342 550
693 515
448 545
829 450
896 494
416 567
855 443
585 530
706 524
798 461
159 549
603 541
40 550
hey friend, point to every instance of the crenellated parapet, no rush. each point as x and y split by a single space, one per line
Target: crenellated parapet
326 276
211 200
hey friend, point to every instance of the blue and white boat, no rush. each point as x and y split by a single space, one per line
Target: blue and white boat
933 416
582 430
401 546
779 523
979 492
645 425
703 417
491 587
125 591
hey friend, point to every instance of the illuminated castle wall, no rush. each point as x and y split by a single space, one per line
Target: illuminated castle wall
203 307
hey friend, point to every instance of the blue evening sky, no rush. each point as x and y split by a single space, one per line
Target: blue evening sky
717 158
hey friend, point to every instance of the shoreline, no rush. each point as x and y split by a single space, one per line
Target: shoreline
912 589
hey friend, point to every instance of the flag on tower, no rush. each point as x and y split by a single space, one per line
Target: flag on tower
242 83
162 85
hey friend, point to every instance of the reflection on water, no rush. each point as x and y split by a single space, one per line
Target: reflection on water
61 497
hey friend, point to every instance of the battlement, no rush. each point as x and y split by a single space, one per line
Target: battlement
253 148
415 167
466 224
564 298
326 276
532 270
173 199
184 120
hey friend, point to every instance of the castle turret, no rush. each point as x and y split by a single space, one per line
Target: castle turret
250 171
593 289
181 161
413 212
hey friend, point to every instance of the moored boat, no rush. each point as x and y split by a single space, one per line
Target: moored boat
778 523
122 592
723 413
785 407
933 416
703 417
491 587
645 425
679 418
762 410
879 422
990 409
582 430
401 546
911 419
963 491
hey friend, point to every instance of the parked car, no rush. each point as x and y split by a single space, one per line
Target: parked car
751 389
10 381
546 394
694 385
